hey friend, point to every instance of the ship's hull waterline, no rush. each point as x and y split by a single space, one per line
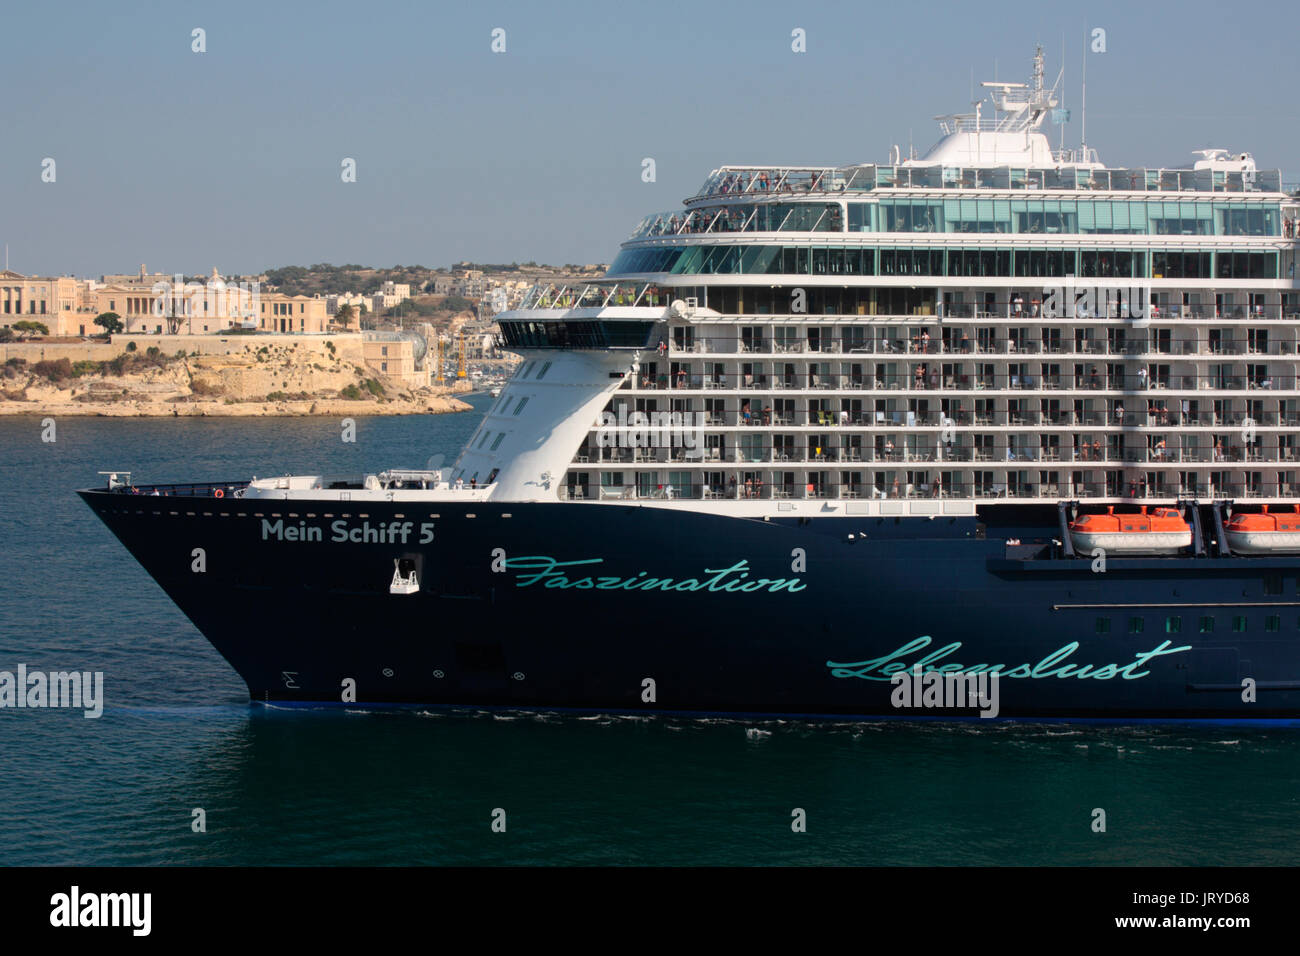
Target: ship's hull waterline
628 608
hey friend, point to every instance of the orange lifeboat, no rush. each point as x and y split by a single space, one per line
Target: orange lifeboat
1264 532
1158 531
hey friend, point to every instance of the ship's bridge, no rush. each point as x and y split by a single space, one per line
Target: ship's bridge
580 342
590 315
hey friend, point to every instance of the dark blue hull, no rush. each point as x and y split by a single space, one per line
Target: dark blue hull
572 605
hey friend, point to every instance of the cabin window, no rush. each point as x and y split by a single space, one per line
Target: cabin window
1273 622
1173 625
496 444
1273 584
1102 625
1136 625
546 367
1239 623
1207 625
522 402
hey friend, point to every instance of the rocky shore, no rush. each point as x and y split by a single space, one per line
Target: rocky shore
421 405
264 380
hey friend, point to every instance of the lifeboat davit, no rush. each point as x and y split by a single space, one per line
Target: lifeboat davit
1158 531
1264 532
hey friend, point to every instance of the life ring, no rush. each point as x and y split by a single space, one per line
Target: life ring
218 493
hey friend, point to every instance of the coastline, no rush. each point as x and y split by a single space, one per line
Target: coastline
431 405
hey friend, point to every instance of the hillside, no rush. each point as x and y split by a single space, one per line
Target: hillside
273 380
326 279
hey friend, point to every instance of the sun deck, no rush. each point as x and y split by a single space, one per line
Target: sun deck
768 182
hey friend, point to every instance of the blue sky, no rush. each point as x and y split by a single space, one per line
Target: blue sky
231 158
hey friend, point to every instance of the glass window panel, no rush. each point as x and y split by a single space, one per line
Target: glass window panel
1069 217
951 214
689 263
1001 215
1087 220
969 216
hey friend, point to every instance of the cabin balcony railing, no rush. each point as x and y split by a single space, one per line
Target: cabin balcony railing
1173 317
892 348
1151 418
883 454
765 484
1231 452
930 380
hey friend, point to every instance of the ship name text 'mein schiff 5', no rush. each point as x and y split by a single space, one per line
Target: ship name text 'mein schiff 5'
997 410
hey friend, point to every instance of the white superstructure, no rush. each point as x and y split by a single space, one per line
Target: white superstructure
993 320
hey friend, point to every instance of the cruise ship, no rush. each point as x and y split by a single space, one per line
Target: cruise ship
998 410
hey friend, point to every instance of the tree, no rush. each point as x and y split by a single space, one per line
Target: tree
110 322
345 315
27 327
173 320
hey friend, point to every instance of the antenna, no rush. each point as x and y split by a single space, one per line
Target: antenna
1060 82
1083 102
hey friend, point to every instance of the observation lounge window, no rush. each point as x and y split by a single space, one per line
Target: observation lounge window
1246 265
575 334
1238 219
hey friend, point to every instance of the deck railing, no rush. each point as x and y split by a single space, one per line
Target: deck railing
205 489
